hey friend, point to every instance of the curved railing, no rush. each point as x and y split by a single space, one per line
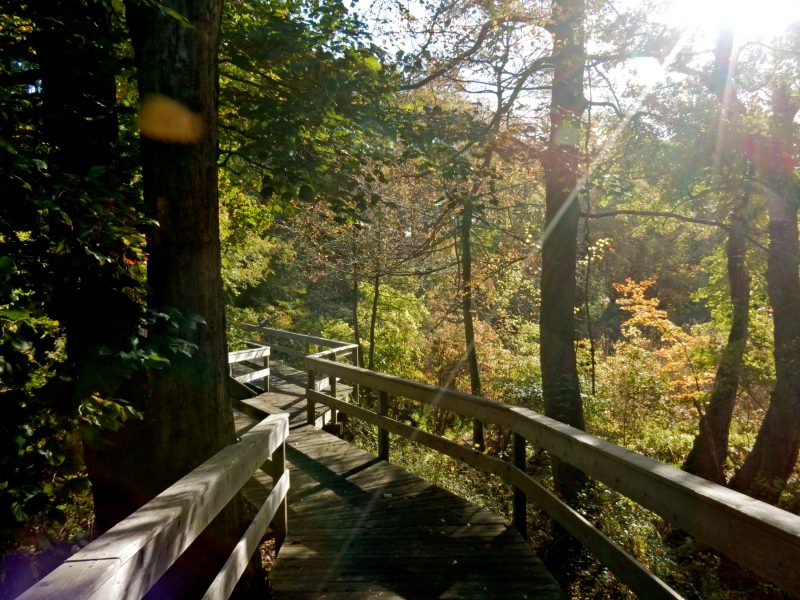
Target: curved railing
758 536
127 560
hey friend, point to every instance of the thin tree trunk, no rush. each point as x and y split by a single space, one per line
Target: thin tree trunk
356 328
376 289
466 309
772 460
354 308
561 391
710 448
586 306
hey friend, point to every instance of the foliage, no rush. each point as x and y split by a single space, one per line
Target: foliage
399 338
301 88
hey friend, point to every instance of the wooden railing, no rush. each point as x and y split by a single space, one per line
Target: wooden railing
246 358
758 536
298 345
126 561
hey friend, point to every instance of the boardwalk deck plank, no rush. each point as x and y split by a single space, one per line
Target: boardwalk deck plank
362 528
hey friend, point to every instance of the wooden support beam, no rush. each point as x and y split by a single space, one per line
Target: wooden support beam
383 434
520 504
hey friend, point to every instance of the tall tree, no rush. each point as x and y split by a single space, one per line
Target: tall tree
710 447
770 463
187 410
560 387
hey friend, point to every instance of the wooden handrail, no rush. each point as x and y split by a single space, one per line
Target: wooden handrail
334 349
760 537
127 560
291 335
246 357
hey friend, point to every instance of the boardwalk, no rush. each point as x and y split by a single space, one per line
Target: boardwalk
362 528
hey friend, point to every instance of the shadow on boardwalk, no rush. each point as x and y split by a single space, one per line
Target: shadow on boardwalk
362 528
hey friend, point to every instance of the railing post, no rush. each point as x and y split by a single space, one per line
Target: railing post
520 505
356 391
332 379
383 435
311 408
266 377
280 522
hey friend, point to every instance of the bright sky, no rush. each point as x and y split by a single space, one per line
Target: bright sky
750 19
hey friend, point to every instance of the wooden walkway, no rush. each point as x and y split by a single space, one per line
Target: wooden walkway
362 528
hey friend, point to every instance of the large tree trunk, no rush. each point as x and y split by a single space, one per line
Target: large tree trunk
467 310
710 448
189 401
187 413
772 460
562 399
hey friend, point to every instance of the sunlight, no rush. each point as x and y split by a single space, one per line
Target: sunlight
752 20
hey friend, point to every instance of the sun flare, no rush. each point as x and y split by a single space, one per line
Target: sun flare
750 20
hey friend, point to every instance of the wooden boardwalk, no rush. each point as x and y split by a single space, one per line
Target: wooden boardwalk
362 528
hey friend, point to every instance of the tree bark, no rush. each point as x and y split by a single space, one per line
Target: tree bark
187 413
770 463
561 391
354 307
74 43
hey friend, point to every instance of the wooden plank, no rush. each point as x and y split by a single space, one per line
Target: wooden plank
288 351
760 537
252 376
383 434
520 502
127 560
222 586
298 337
345 504
339 542
624 566
242 355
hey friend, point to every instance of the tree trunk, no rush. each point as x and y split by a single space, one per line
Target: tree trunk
769 465
710 448
376 289
354 308
562 399
466 309
188 413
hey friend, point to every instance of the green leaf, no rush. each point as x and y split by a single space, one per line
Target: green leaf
19 515
373 64
14 314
